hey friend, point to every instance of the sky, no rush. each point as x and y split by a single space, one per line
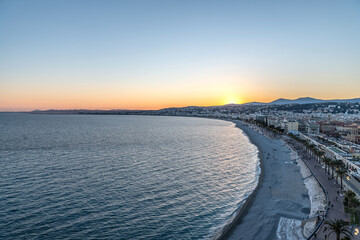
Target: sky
84 54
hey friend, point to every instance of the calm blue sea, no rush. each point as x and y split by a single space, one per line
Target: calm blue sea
121 177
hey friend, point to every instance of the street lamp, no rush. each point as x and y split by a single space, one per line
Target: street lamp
356 231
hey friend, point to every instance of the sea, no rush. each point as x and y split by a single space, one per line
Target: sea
121 177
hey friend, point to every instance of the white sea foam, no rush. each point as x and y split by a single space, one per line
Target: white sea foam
289 229
316 194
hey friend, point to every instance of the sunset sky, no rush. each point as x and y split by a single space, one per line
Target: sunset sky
152 54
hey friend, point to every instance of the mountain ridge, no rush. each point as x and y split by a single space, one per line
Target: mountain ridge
279 101
304 100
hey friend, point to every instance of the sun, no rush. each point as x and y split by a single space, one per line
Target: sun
232 100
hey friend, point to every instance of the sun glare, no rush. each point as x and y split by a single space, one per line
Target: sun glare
232 100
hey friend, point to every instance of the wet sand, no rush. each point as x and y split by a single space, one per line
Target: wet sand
281 192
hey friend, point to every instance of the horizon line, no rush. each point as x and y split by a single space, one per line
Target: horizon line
123 109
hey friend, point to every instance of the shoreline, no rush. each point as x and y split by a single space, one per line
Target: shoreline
286 207
229 228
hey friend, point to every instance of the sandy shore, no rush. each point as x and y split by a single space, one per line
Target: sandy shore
279 203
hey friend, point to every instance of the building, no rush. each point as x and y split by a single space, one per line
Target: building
261 118
302 127
292 126
311 127
328 128
273 122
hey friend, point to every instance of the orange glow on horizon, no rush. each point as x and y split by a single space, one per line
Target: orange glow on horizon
105 98
232 100
29 103
94 97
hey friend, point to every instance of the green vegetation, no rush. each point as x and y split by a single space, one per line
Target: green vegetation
338 227
341 172
351 205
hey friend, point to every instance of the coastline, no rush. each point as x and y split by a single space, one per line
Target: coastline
229 228
288 205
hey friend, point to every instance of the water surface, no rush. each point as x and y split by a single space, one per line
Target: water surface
121 177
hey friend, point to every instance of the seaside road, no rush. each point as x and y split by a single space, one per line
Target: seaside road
280 193
336 208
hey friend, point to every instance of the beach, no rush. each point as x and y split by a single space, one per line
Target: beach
280 202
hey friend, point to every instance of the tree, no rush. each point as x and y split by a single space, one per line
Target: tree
354 202
338 226
351 204
327 162
341 172
318 155
312 149
348 195
332 165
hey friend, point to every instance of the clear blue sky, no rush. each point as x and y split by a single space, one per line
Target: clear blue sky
153 54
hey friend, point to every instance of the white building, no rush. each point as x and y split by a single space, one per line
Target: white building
292 126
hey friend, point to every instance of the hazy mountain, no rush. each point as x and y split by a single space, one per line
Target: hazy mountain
254 103
304 100
280 101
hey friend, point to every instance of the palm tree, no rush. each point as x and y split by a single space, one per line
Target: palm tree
326 161
351 204
354 202
335 164
312 149
338 227
348 195
318 155
339 164
332 165
346 238
341 172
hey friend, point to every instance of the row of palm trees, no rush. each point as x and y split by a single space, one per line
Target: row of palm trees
338 226
351 203
331 165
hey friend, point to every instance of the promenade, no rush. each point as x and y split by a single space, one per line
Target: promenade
332 187
335 198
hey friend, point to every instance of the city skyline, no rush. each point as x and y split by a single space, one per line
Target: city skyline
158 54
